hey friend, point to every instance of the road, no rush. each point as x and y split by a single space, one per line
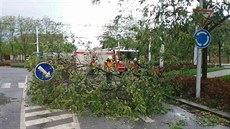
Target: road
12 82
18 113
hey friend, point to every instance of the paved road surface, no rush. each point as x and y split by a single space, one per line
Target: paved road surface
12 81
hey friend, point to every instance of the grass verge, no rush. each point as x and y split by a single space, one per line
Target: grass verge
227 77
191 71
17 65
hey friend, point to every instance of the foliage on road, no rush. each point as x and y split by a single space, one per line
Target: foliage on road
129 95
207 119
178 125
3 99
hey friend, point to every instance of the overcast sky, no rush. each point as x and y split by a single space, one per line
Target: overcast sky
84 18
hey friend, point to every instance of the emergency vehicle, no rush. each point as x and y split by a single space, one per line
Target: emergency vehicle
120 56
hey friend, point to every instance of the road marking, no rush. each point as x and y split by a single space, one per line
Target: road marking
21 85
48 119
65 126
40 113
33 115
32 107
6 85
75 120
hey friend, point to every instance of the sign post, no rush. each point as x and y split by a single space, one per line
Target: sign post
203 39
44 71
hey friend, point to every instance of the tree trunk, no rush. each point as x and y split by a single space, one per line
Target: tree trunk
209 55
204 58
228 59
1 55
228 56
219 53
204 63
12 51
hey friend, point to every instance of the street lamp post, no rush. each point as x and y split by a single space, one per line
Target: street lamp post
38 55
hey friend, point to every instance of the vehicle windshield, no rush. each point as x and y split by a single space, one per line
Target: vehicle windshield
129 55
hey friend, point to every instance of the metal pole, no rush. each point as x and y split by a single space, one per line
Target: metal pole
198 74
149 51
162 50
37 42
195 55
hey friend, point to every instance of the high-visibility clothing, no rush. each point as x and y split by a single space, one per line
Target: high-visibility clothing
109 66
93 63
136 65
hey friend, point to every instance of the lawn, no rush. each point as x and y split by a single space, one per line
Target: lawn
227 77
190 71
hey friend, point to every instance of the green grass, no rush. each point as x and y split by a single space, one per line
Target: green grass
227 77
17 65
190 71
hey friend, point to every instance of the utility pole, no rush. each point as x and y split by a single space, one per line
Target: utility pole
199 56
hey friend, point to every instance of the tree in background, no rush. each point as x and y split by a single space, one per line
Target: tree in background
219 36
54 37
220 15
174 17
1 38
167 22
18 34
25 34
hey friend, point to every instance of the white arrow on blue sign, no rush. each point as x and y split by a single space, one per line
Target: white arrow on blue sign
44 71
203 38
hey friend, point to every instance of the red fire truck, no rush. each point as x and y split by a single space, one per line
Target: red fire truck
120 56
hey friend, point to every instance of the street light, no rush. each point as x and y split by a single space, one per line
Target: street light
38 55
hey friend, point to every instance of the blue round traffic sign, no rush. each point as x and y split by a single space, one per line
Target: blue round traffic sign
44 71
202 38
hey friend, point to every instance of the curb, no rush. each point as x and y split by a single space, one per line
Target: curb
22 114
204 108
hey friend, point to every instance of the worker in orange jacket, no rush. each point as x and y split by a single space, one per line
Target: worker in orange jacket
109 68
93 65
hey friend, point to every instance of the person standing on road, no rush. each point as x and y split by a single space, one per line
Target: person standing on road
136 64
109 68
93 65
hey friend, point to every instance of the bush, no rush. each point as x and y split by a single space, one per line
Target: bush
18 65
4 63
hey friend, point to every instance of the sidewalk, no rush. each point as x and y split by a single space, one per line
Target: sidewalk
218 73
